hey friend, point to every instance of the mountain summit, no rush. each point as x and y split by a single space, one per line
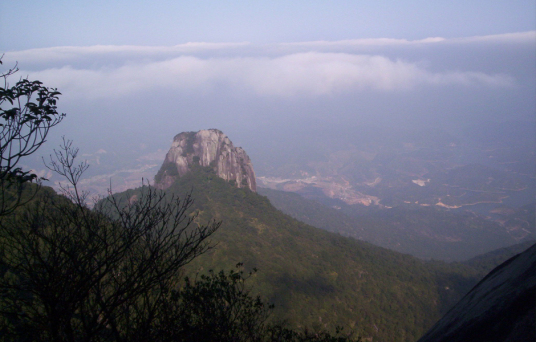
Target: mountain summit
206 148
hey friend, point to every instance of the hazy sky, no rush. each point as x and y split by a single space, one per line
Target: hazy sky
135 73
29 24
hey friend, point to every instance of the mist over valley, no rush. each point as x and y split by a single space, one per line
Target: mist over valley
268 171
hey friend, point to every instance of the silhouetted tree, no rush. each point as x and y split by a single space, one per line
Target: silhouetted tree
112 272
75 274
27 112
214 307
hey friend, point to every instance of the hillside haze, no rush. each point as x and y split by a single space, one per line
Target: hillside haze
427 232
390 166
315 277
477 168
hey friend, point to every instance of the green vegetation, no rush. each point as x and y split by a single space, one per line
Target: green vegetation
169 169
316 278
139 265
113 273
24 125
73 274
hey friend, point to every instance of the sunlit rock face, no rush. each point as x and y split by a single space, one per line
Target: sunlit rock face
206 148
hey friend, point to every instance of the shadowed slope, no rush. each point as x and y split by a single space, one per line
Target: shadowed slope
502 307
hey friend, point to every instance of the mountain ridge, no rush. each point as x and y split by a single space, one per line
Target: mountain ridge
314 277
317 277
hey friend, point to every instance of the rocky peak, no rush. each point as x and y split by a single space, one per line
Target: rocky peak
206 148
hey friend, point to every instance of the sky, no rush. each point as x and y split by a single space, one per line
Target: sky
134 73
30 24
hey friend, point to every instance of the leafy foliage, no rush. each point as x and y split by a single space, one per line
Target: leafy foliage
24 126
215 307
219 307
70 273
66 284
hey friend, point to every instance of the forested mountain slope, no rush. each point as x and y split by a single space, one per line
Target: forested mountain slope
315 277
318 279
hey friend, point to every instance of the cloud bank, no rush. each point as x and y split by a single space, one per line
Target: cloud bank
298 74
70 54
318 68
118 97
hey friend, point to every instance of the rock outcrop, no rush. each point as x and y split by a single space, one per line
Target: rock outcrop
502 307
207 148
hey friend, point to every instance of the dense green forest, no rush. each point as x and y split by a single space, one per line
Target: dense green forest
315 279
116 273
318 278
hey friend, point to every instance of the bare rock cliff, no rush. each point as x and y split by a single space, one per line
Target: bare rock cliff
206 148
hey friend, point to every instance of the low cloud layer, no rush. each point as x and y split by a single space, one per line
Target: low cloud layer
125 94
299 74
281 70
